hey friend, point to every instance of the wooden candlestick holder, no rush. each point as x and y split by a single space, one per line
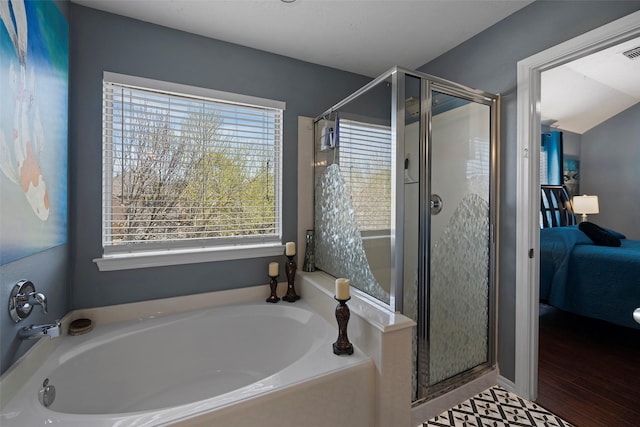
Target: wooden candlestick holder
342 345
291 295
273 285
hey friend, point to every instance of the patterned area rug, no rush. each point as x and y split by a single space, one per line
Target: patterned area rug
496 407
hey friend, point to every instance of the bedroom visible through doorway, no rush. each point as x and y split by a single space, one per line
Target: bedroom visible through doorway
528 199
580 102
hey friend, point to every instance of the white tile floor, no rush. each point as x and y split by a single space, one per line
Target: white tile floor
496 407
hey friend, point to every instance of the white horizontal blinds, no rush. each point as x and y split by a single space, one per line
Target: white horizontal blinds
544 168
365 162
186 170
478 165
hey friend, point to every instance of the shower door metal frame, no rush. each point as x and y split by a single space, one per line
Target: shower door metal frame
397 200
428 85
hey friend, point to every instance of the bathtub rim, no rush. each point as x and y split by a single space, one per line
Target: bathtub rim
21 370
27 409
290 370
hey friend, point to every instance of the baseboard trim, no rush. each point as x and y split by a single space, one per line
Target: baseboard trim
507 384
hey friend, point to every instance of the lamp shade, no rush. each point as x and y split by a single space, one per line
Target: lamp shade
586 204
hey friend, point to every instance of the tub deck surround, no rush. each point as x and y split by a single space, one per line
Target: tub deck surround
269 364
373 314
384 335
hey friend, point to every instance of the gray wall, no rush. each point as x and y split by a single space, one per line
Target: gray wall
609 168
488 61
48 270
102 41
571 143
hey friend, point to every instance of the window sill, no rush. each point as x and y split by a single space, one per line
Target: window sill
127 261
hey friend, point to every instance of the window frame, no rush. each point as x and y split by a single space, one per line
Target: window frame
159 253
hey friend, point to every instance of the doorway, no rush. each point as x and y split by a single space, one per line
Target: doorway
527 205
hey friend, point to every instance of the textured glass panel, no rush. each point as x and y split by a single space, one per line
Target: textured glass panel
459 238
339 246
353 197
459 292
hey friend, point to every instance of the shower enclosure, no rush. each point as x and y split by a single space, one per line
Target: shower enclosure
405 207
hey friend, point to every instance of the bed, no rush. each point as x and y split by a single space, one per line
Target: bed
580 276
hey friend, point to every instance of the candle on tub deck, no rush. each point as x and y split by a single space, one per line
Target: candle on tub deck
290 249
273 269
342 289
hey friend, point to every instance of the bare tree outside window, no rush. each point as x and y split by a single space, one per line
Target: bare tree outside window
185 169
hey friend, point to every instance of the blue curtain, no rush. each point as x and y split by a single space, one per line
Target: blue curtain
552 144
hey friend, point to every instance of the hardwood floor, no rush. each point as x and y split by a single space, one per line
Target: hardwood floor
588 370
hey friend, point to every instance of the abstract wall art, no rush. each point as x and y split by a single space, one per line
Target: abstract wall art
34 69
571 172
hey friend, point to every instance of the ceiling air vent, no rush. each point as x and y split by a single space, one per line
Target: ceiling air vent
632 53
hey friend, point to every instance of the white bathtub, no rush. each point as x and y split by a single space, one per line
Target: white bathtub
240 365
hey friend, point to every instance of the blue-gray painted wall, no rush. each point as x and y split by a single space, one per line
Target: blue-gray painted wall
570 144
48 270
488 61
101 41
609 168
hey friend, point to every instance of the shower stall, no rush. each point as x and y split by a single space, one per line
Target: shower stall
406 208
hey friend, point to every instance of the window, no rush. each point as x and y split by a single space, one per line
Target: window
544 172
188 171
365 162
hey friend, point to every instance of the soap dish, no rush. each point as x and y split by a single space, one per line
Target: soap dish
80 326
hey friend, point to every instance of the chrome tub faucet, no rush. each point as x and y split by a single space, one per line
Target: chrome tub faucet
21 302
33 332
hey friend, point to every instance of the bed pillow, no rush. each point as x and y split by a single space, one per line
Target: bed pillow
599 235
616 233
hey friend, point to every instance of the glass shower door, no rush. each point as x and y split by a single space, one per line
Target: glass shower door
456 198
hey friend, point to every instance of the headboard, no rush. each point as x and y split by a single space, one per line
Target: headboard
555 207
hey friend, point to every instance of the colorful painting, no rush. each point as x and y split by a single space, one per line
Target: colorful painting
571 172
34 70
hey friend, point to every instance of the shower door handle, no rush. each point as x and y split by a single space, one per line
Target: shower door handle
436 204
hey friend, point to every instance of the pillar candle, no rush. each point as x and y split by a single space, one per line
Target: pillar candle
273 269
290 249
342 289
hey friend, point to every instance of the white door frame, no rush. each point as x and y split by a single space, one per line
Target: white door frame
528 184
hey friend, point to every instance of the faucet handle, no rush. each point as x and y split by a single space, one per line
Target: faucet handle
22 299
40 299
